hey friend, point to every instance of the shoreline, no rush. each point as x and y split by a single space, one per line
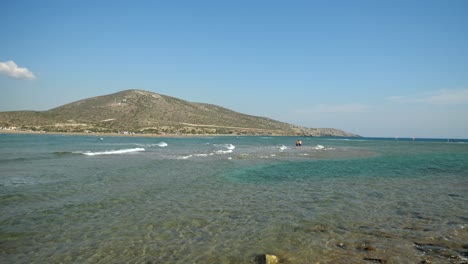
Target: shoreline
23 132
26 132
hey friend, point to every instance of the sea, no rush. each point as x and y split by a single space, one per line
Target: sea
230 199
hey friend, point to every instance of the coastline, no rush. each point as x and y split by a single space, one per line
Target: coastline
168 135
25 132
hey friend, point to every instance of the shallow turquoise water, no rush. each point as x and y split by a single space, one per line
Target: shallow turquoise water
86 199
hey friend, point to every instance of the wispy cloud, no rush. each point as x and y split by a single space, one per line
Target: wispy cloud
441 97
10 69
336 109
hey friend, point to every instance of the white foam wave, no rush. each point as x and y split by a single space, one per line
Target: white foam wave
283 147
185 157
319 147
111 152
223 151
160 144
230 148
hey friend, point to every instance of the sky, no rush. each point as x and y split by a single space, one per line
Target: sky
374 68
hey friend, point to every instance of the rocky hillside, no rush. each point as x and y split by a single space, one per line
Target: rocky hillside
145 112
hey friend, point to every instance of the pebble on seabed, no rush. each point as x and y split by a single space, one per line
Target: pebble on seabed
266 259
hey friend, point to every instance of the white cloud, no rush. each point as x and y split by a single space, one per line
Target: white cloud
441 97
10 69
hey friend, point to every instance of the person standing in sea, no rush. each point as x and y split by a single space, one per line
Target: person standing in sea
298 143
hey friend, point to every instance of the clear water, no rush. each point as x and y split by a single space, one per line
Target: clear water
86 199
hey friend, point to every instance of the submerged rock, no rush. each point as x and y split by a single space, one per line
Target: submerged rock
375 260
438 250
341 245
365 246
266 259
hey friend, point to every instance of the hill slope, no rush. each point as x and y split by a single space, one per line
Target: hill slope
145 112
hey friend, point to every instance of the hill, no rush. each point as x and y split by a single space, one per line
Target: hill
140 111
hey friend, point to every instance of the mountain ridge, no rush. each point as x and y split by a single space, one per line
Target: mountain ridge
140 111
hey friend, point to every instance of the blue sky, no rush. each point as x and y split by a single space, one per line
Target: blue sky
374 68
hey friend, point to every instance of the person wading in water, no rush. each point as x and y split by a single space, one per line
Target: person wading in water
298 143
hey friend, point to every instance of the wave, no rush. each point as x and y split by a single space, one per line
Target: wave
223 151
185 157
196 155
202 155
283 147
111 152
320 147
230 148
161 144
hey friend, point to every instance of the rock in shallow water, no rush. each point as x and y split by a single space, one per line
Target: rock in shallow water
365 246
266 259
